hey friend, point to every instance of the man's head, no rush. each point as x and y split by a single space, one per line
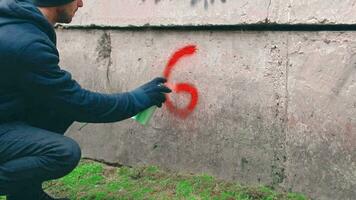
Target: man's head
59 11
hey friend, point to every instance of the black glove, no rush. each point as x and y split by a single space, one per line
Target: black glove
152 93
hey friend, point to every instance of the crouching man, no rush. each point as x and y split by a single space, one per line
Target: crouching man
39 100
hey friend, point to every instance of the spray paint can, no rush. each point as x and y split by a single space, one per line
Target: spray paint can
145 116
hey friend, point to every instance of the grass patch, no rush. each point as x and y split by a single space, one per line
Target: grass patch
96 181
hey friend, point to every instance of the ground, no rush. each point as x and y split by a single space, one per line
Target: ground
96 181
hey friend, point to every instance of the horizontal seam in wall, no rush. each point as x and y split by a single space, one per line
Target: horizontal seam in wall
241 27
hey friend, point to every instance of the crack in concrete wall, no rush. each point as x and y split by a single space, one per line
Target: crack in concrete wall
104 50
268 11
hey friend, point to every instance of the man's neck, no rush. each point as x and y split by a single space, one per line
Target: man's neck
50 14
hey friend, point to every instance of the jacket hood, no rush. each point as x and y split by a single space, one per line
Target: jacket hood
24 11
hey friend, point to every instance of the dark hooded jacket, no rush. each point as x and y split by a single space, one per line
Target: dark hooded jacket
35 90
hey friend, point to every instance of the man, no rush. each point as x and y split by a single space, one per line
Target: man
39 101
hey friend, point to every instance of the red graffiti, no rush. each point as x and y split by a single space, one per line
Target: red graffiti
181 87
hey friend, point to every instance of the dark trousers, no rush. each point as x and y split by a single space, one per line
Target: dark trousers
30 156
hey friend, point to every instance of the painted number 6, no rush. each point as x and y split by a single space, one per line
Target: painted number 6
181 87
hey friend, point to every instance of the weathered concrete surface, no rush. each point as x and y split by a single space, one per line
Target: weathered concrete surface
210 12
276 108
321 139
317 12
164 12
233 131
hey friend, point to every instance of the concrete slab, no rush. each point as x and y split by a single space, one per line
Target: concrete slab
321 140
236 130
319 12
219 12
274 107
163 12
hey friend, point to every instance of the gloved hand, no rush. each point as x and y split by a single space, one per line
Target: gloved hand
152 93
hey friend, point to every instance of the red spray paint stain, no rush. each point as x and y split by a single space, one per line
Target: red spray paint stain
181 87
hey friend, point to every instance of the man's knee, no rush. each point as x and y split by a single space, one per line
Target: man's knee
73 152
68 154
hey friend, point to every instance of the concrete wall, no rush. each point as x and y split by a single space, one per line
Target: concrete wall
224 12
275 108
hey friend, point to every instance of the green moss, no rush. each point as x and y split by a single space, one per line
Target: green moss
84 175
152 169
95 181
184 189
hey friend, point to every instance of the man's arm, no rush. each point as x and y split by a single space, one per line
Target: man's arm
42 80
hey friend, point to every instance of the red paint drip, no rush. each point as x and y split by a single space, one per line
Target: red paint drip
181 87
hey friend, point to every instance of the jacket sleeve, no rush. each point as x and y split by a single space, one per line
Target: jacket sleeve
42 80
